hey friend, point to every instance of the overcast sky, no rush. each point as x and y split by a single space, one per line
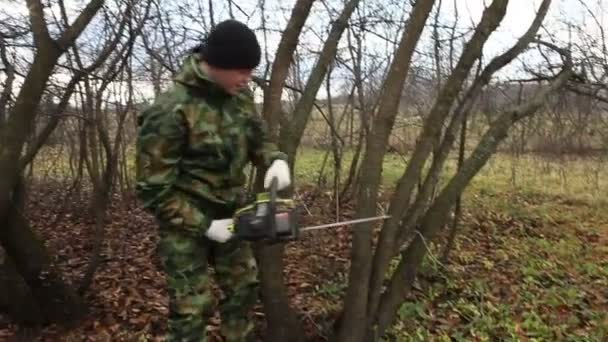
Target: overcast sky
520 14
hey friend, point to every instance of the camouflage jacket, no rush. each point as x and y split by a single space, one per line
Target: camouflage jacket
193 144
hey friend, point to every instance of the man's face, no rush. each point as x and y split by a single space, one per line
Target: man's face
232 80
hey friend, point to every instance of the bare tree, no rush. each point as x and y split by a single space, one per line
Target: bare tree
56 301
103 151
293 126
353 326
369 310
282 322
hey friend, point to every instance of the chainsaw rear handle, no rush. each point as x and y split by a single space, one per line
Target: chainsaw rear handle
282 225
272 208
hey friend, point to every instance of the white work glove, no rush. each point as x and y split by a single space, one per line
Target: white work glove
219 230
279 169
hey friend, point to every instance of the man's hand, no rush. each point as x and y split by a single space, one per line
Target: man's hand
279 169
219 230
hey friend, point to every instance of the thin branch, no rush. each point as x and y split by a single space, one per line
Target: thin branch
8 82
69 36
266 83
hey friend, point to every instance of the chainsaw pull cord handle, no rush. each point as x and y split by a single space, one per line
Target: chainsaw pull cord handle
272 207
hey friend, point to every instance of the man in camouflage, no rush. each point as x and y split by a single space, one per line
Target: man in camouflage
192 147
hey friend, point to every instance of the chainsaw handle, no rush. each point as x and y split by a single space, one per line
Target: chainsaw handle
274 188
272 207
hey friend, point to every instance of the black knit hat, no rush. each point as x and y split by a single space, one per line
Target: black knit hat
231 45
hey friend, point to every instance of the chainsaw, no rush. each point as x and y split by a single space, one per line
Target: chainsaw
273 219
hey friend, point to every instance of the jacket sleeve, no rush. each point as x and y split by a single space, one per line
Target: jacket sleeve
160 141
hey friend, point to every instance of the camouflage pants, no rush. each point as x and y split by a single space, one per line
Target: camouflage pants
185 259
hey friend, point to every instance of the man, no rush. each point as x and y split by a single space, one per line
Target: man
193 145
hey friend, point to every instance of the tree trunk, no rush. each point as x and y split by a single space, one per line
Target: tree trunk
354 166
437 214
57 301
355 323
336 145
16 298
280 67
364 113
282 323
98 207
458 208
293 129
433 125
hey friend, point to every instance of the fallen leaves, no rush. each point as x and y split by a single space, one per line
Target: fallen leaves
484 286
128 294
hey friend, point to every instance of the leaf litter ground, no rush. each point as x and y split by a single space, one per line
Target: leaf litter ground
524 267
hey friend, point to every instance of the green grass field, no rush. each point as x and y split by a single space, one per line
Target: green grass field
578 178
531 263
